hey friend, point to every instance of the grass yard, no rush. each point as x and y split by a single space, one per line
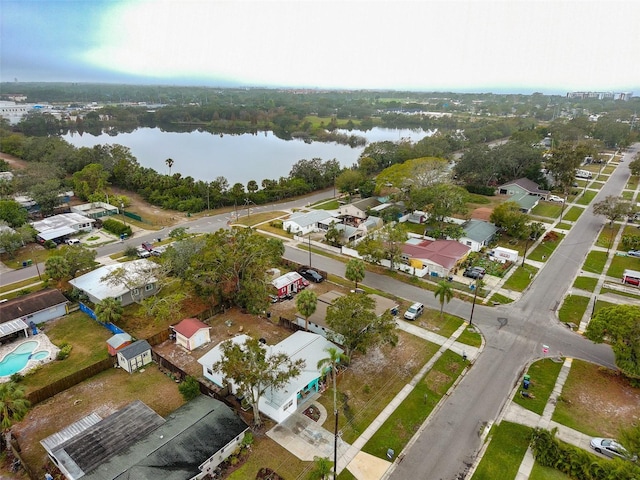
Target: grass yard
620 263
265 453
445 325
573 309
628 194
597 401
470 337
586 197
89 341
546 473
573 214
607 235
372 380
616 292
632 184
595 262
521 278
548 245
585 283
547 209
544 374
97 394
324 205
502 459
600 304
563 226
32 251
501 299
398 429
257 218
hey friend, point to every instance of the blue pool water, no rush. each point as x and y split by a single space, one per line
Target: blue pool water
18 359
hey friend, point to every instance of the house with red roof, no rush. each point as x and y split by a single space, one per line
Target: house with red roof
191 333
437 258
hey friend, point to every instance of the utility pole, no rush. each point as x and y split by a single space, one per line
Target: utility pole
473 306
309 249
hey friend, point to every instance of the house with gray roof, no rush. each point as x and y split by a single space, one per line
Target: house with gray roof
355 212
478 234
302 223
524 192
36 307
137 443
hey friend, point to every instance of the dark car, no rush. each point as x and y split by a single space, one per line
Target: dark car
147 246
474 272
312 275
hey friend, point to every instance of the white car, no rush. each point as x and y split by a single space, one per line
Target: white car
555 198
611 449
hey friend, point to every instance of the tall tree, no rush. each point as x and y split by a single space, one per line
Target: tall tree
57 268
253 371
109 310
46 195
508 216
79 258
13 213
563 163
613 208
331 362
355 270
306 302
356 326
10 241
444 294
619 326
13 407
169 162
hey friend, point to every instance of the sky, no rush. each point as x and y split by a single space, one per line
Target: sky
518 46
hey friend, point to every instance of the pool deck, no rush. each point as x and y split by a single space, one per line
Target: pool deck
43 344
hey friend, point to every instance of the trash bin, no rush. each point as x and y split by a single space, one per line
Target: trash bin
526 382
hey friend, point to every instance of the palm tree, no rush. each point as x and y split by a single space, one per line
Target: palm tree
307 302
57 268
13 407
335 357
355 270
169 162
444 293
109 310
321 469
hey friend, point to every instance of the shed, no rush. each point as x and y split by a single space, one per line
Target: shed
118 342
134 356
191 333
288 283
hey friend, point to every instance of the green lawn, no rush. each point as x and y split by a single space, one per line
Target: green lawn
89 341
607 235
594 262
624 294
544 374
620 263
547 209
521 278
573 214
470 337
543 251
546 473
398 429
497 298
563 226
586 283
573 309
628 194
600 304
586 197
502 459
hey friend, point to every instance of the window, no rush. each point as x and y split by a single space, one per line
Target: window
148 287
288 405
119 298
209 371
136 291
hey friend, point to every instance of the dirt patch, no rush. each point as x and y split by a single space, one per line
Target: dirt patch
15 162
312 412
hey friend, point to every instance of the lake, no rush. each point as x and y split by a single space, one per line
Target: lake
239 158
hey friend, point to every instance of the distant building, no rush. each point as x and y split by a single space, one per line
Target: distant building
62 225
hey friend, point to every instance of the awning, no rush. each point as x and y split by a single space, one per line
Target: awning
12 326
56 233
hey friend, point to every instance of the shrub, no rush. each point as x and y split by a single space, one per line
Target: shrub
189 389
131 251
116 227
16 377
50 244
481 189
65 351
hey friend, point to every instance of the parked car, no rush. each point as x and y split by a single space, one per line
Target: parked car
414 311
312 275
634 253
147 246
474 272
72 241
555 198
158 251
142 253
273 298
611 449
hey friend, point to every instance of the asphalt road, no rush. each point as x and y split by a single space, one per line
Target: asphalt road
514 335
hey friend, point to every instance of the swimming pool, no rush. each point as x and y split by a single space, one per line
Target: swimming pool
19 358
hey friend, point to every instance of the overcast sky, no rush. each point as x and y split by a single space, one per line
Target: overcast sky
453 45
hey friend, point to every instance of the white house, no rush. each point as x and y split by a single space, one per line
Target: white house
280 404
62 225
478 234
302 223
96 289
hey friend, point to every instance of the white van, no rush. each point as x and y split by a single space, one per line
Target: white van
414 311
73 241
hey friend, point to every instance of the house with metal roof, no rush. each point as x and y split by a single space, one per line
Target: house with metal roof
279 404
117 342
62 225
524 192
355 212
97 289
478 234
191 333
440 257
137 443
302 223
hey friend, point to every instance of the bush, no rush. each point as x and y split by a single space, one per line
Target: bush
50 244
481 189
131 251
65 351
189 389
116 227
16 377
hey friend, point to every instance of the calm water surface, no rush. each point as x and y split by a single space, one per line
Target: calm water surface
238 158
